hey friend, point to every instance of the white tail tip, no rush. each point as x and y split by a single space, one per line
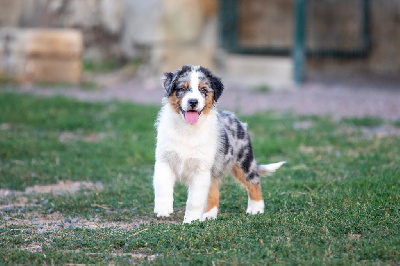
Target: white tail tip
267 169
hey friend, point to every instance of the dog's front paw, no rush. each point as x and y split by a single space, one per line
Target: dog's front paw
192 216
255 207
162 211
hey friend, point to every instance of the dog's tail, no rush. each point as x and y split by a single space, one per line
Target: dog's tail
268 169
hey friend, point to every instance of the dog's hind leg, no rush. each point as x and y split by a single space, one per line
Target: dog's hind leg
211 210
256 202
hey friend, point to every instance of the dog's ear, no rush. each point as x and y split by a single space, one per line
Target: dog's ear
217 86
215 82
167 82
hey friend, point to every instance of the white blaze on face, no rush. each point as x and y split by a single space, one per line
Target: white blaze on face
194 92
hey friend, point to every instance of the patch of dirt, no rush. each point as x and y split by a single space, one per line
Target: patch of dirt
310 149
33 247
5 126
62 187
52 222
381 131
330 97
302 125
67 136
15 213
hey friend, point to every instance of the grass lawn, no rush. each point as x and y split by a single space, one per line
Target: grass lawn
336 201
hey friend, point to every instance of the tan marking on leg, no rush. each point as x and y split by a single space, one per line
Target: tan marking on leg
213 195
208 103
254 190
175 102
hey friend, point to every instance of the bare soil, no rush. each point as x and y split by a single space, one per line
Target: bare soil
66 186
357 97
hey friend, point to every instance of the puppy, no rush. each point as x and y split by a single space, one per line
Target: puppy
198 145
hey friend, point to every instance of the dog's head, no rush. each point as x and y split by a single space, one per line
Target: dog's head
192 91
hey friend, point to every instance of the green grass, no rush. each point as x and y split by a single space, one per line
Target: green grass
109 65
336 201
365 121
85 85
261 88
103 66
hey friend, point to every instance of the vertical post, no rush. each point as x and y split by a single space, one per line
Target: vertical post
299 49
365 26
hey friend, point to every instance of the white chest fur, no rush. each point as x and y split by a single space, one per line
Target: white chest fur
188 149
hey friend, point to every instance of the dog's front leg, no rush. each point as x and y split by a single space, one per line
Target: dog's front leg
197 196
163 182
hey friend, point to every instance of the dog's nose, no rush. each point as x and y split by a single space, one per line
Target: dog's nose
193 102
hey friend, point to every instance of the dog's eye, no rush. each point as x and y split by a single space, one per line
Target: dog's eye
203 90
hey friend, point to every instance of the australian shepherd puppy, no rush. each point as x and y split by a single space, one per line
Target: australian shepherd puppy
198 144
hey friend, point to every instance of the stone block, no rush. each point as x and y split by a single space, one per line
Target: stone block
53 70
52 43
46 55
250 71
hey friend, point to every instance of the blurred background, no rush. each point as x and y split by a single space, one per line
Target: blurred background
268 44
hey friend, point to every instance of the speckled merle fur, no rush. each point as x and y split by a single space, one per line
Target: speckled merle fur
234 148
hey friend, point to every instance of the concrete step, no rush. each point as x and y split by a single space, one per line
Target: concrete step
248 71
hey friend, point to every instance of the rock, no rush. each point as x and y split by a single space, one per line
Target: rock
46 55
54 70
52 43
10 12
141 25
182 21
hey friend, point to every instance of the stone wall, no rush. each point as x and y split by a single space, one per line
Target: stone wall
163 33
100 21
168 33
188 30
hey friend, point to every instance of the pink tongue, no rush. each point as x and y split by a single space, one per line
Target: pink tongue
192 117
